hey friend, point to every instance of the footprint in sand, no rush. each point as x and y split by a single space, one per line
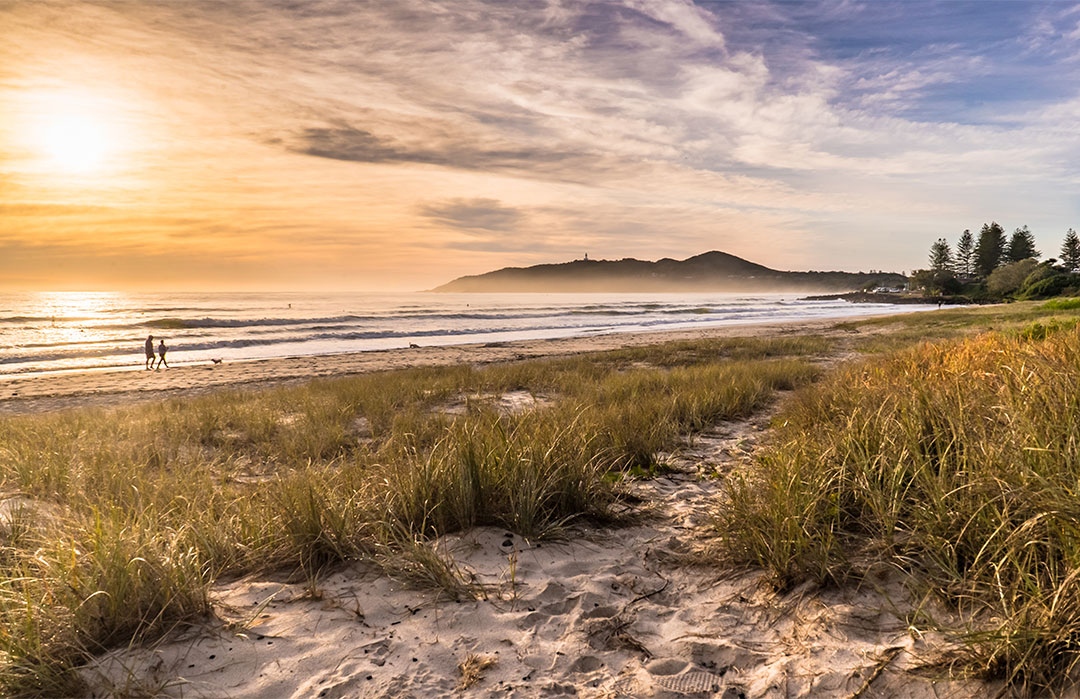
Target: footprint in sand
586 663
552 592
347 680
682 677
603 612
552 602
376 651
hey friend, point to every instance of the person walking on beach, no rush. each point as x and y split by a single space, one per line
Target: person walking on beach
161 349
149 352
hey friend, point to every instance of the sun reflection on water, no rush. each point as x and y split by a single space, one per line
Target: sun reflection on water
89 305
72 316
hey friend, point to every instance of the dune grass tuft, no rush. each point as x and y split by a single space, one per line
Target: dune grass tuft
472 669
957 462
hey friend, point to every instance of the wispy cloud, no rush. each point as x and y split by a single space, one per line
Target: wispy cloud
474 214
344 142
373 134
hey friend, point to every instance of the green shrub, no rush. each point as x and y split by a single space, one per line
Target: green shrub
1039 330
1045 287
1061 304
1008 279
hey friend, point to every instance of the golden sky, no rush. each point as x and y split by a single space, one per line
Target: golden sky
333 144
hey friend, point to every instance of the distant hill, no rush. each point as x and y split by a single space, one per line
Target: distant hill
710 271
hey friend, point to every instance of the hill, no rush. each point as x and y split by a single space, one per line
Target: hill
710 271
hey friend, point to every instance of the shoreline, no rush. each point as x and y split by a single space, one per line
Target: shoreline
261 334
50 392
894 299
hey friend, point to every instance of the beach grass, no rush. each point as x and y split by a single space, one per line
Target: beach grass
956 464
888 333
118 521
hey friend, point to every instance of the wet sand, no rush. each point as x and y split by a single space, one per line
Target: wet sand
63 390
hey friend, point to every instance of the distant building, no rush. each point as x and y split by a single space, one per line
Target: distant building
586 257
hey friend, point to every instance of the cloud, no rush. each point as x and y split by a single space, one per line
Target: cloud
686 18
345 142
370 134
473 214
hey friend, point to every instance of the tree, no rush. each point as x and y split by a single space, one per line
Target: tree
935 281
965 254
940 256
989 249
1021 246
1010 277
1070 251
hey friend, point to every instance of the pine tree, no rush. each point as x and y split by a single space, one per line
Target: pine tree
1070 251
965 254
941 256
1021 246
989 248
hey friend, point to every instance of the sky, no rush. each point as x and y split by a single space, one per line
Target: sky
343 144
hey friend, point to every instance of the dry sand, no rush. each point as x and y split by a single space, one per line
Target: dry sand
607 612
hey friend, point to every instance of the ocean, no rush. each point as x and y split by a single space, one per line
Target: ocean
66 331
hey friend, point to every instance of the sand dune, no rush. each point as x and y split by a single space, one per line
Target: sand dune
606 612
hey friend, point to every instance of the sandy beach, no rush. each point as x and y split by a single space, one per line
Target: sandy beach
62 390
637 609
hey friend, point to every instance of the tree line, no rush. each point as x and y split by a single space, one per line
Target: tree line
994 265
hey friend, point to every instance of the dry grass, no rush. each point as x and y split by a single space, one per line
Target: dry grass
895 332
472 669
956 462
135 512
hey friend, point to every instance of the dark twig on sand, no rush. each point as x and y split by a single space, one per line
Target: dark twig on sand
888 657
649 594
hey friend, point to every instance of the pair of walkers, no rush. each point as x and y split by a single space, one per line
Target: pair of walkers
161 350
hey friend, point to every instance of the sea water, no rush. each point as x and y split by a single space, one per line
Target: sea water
64 331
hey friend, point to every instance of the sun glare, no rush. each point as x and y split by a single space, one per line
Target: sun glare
71 132
74 143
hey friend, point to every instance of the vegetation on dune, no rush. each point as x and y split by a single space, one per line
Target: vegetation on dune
129 515
955 462
888 333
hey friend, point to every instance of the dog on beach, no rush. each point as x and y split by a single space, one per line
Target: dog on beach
216 361
413 345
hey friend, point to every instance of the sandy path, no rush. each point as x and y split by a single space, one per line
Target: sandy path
608 612
58 391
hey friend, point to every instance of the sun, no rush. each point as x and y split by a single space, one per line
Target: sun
71 135
74 143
